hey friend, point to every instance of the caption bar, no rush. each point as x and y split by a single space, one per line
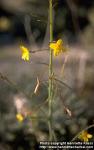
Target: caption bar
65 145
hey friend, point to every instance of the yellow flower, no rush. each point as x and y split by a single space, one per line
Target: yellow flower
19 117
84 136
25 53
57 47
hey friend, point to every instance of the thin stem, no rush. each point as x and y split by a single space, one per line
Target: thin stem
13 84
63 67
39 50
37 108
39 63
50 90
63 83
70 88
82 131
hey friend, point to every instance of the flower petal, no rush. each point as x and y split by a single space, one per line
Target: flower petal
52 46
25 53
19 117
84 136
57 47
59 42
89 136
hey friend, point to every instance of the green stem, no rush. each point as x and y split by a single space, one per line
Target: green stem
50 90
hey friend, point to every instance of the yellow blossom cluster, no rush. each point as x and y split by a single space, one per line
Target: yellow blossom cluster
19 117
25 53
85 136
57 47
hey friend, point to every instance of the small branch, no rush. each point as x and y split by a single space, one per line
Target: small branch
39 50
63 67
40 63
37 86
66 109
5 78
40 105
63 83
14 85
82 131
70 88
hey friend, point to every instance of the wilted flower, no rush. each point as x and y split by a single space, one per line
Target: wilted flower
57 47
84 136
37 86
25 53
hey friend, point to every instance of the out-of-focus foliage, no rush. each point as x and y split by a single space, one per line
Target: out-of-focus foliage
71 18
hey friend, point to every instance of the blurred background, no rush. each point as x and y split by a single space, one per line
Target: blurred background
26 22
